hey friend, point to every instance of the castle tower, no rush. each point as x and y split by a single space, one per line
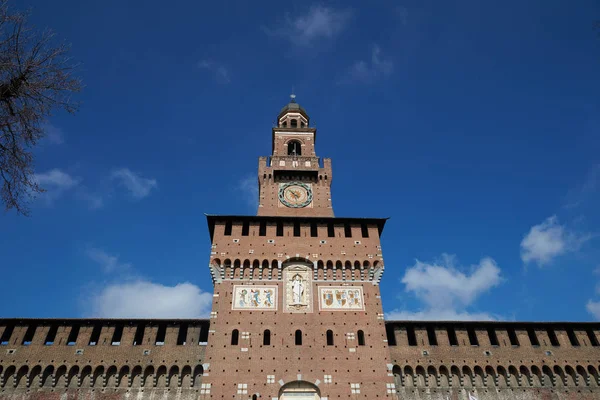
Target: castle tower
297 310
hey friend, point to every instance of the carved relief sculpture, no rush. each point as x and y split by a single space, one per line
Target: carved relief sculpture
298 289
254 298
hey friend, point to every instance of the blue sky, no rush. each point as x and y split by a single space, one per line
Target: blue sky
474 125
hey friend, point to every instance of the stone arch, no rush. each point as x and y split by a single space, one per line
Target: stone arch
160 380
72 378
320 270
467 376
525 376
593 374
421 377
409 376
97 378
455 376
478 377
85 378
237 273
47 376
123 377
256 269
537 379
60 376
148 377
513 376
502 377
570 377
339 270
397 372
35 376
135 379
583 376
246 269
110 378
264 270
186 376
291 389
444 377
9 374
329 271
21 376
547 376
197 375
173 376
490 376
227 268
559 376
431 377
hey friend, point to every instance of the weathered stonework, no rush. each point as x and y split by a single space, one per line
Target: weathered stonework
296 314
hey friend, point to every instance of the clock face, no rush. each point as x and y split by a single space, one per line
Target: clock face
295 194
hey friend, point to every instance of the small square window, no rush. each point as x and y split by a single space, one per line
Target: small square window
146 352
79 351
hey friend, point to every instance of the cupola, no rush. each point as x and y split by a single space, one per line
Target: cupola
293 115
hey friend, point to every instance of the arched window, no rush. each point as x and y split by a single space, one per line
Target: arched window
284 125
361 338
294 148
329 337
254 397
294 123
267 337
301 124
235 335
298 337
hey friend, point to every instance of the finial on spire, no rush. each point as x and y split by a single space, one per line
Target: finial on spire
293 97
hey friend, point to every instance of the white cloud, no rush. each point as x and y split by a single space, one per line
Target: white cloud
593 307
143 299
445 291
249 188
318 23
437 315
548 240
53 134
109 263
220 72
55 182
368 71
138 187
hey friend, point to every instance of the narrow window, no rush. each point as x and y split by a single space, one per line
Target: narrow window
245 228
452 336
254 397
330 230
512 336
117 335
280 229
235 337
267 337
8 331
298 338
51 336
72 339
552 337
592 337
138 339
472 337
294 123
294 148
182 335
412 338
364 230
533 337
262 229
329 337
28 338
161 334
431 336
227 228
296 229
95 337
204 334
391 335
284 125
361 338
313 229
347 230
493 337
572 337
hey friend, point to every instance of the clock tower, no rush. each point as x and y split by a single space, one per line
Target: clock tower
293 181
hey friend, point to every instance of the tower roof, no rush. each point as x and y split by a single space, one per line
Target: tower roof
292 106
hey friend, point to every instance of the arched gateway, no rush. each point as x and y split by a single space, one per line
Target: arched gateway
299 390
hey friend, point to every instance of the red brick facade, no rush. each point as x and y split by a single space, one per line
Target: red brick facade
297 313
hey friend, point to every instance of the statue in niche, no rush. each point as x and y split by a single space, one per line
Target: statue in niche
297 290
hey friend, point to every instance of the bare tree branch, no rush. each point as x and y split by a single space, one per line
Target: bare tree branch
36 78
